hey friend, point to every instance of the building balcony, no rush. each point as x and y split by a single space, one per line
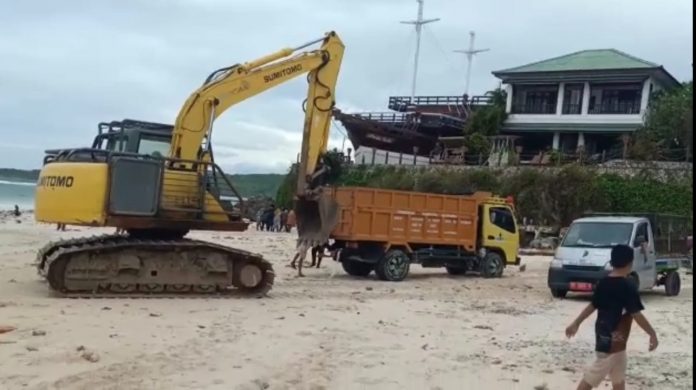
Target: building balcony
534 108
572 109
620 108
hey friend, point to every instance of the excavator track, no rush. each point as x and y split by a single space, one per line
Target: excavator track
121 266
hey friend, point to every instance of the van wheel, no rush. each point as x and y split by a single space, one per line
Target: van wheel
558 293
393 266
672 284
492 265
357 268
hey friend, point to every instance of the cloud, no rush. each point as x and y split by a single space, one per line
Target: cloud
69 65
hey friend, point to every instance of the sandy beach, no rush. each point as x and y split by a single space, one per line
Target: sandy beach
324 331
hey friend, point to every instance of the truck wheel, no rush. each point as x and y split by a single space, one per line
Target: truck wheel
557 293
357 268
492 265
672 284
393 266
456 270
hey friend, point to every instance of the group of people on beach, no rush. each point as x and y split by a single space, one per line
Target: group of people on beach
275 219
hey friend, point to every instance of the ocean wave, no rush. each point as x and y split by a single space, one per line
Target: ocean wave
17 183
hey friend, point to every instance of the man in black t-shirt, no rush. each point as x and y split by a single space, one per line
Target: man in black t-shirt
617 303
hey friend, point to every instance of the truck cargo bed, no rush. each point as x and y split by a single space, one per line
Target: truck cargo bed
407 218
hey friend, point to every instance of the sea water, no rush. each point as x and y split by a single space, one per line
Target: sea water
16 193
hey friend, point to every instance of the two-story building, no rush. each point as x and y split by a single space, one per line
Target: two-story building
583 101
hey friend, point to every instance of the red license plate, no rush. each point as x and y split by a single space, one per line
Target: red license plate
579 286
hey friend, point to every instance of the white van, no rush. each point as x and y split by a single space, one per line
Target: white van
582 258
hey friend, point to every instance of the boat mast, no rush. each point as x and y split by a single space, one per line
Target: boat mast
469 59
418 23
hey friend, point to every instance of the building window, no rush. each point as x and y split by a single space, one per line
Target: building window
534 99
615 98
572 99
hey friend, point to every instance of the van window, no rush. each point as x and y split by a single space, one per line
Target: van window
502 218
641 231
597 234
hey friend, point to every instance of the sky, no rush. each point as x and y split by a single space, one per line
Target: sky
67 65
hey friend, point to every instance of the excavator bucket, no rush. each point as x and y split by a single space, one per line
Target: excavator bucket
316 218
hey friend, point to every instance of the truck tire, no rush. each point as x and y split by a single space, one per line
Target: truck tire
672 284
393 266
492 265
557 293
357 268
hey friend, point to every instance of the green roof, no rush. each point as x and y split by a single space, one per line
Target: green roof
600 59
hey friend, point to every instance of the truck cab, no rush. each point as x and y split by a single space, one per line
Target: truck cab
582 258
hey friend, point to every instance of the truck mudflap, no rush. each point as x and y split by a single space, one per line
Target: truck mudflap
518 261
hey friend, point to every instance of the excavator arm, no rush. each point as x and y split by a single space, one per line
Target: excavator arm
191 137
232 85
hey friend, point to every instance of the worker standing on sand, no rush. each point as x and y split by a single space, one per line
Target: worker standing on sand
618 303
276 220
291 221
259 222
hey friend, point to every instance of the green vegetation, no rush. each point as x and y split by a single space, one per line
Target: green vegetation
485 122
247 185
668 130
555 197
265 184
19 174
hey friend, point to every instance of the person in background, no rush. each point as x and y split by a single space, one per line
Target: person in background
259 221
283 220
60 227
291 221
16 211
268 217
618 304
276 220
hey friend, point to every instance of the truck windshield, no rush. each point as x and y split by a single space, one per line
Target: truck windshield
597 234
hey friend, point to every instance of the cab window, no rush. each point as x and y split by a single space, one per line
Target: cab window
153 146
502 218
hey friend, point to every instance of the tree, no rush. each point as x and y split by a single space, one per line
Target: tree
485 122
668 129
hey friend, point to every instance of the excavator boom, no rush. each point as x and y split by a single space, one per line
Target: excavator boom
316 213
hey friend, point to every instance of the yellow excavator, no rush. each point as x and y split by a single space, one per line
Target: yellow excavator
156 182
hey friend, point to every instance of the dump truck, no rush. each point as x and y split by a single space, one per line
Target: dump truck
660 243
386 231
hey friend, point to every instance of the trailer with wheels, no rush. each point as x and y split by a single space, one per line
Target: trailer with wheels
387 231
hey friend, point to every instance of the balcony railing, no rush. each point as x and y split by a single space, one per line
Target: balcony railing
616 108
571 109
402 102
534 108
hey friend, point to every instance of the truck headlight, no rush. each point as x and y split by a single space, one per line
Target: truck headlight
608 266
556 263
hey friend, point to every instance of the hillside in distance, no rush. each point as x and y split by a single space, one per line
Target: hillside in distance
262 184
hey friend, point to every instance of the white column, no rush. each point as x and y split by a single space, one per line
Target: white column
508 103
585 99
645 96
556 140
581 140
559 100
